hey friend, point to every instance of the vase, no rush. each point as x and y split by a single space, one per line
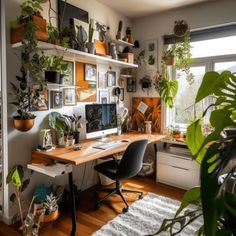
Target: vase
23 125
91 47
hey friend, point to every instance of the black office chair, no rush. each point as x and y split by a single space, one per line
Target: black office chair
127 167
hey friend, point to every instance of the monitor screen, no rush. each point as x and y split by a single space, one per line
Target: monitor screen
101 119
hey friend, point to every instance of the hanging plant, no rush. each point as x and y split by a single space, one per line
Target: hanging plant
146 83
178 56
180 28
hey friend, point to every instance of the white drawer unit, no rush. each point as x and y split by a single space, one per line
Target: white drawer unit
176 169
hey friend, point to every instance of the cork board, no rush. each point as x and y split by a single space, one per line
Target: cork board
86 91
151 112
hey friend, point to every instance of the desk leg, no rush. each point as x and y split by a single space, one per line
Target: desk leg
73 210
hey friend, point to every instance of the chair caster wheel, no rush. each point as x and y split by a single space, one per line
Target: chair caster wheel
140 196
125 209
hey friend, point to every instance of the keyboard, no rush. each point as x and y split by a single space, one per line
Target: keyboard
105 146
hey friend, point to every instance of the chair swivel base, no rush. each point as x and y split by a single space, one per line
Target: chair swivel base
117 190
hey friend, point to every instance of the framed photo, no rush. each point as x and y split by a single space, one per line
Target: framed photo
131 84
56 99
103 96
111 78
151 53
40 99
69 74
69 96
122 94
90 72
112 98
102 80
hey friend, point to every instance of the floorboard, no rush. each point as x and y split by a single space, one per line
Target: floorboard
90 219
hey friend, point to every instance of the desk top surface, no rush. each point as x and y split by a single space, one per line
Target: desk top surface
88 153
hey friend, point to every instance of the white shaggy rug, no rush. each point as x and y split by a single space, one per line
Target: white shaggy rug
145 217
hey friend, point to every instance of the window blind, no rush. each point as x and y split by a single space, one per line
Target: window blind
204 34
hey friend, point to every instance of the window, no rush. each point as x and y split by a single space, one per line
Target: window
214 54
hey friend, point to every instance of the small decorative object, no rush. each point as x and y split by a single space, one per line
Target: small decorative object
90 44
129 56
113 51
56 99
111 78
103 96
81 38
121 82
118 36
69 98
112 98
148 127
129 36
122 94
68 75
45 139
146 83
131 84
90 72
102 80
180 28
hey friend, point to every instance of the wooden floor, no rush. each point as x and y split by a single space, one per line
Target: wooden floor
89 220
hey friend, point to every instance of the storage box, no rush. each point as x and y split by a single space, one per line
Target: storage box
129 56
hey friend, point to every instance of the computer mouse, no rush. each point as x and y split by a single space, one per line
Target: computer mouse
125 140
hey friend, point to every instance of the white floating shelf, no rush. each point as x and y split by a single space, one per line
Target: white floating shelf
81 56
51 170
122 42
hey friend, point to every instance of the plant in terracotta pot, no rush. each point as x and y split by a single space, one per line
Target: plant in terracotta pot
51 208
30 18
55 67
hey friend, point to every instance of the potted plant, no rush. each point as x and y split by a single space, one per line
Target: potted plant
30 18
215 152
81 38
30 224
51 208
53 34
146 83
24 121
90 44
55 67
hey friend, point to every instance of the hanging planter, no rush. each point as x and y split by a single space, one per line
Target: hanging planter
180 28
146 83
23 125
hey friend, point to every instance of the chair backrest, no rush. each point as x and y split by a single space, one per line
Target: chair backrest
132 160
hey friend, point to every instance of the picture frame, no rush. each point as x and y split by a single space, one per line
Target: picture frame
102 80
151 53
69 74
90 72
111 78
112 98
131 84
69 96
103 96
122 94
40 98
56 100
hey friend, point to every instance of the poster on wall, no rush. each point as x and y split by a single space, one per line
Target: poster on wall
151 53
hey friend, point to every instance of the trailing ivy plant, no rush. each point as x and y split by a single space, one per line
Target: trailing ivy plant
181 57
214 151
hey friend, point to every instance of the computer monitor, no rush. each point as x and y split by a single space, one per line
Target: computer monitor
101 120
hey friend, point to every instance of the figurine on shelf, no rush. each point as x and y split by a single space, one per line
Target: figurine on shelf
129 37
118 36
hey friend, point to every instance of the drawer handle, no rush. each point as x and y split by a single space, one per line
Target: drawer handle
187 159
179 168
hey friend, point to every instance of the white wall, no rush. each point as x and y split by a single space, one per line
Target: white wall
21 144
202 15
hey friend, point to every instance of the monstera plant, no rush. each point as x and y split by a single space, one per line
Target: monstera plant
215 201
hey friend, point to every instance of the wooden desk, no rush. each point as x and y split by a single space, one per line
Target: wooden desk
88 153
